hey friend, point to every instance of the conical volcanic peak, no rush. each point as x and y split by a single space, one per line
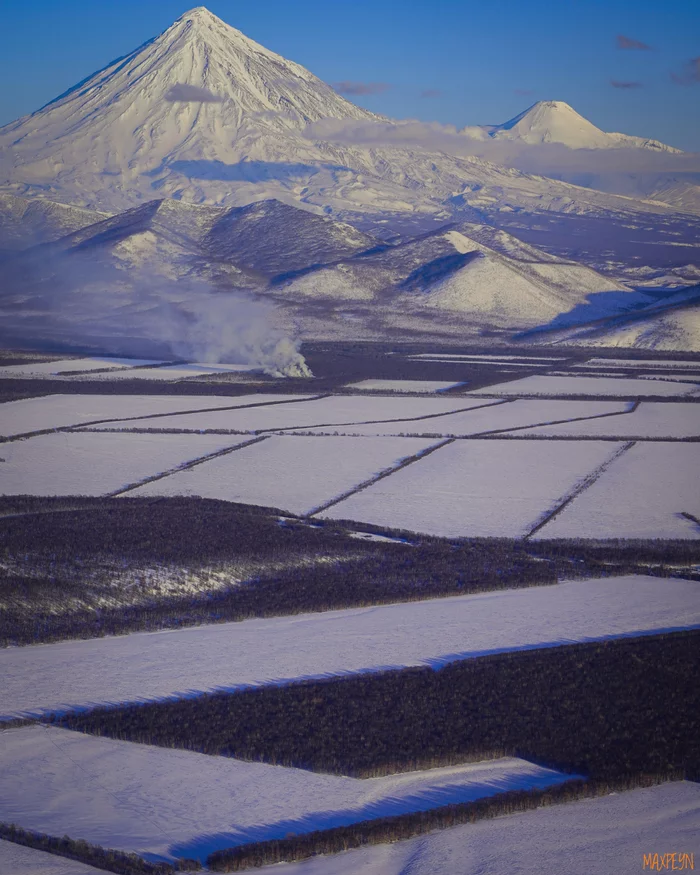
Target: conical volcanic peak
554 121
199 97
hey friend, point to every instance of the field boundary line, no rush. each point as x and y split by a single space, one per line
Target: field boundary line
581 487
387 472
186 466
386 421
85 425
632 409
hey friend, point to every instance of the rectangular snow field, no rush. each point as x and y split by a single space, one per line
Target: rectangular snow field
477 488
58 411
402 386
334 410
488 358
541 384
516 414
179 372
145 799
296 474
97 463
639 363
148 666
49 369
610 834
643 494
669 419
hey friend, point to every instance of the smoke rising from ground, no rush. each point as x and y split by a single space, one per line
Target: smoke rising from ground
82 301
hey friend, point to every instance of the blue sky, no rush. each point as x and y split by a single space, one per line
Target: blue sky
483 61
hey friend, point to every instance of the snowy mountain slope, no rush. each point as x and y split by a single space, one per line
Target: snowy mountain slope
205 115
450 271
25 223
553 121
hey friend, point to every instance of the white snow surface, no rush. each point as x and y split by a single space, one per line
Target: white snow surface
477 488
295 474
171 802
147 666
98 463
179 372
664 364
44 369
18 860
58 411
334 410
642 495
541 384
589 837
402 385
669 419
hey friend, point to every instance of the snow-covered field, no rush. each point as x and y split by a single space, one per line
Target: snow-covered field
18 860
477 488
94 463
402 386
159 801
296 474
58 411
542 384
179 372
643 494
610 834
153 665
651 419
665 365
448 356
334 410
85 365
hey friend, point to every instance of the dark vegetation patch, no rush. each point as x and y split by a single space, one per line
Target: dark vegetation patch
609 710
406 826
63 560
93 855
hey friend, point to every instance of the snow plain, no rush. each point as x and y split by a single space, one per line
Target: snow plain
663 364
85 365
477 488
170 802
541 384
610 834
295 474
179 372
98 463
148 666
669 419
642 495
18 860
334 410
402 386
59 411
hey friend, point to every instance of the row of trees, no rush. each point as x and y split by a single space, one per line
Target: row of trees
604 709
406 826
94 855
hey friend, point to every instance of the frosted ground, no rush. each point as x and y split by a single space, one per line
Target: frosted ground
433 632
585 385
609 834
154 800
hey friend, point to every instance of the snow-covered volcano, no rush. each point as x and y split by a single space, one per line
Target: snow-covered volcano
201 94
553 121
